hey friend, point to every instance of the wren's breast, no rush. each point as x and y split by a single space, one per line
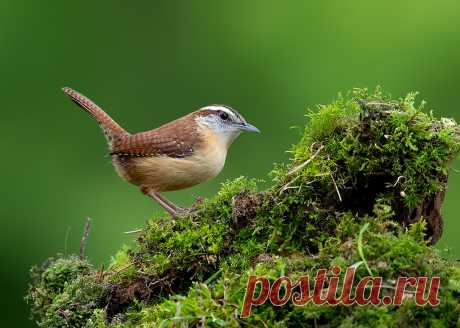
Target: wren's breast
163 173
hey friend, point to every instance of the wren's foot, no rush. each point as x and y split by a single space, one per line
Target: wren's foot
182 210
178 209
191 209
169 206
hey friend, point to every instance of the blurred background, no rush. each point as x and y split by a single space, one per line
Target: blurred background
148 62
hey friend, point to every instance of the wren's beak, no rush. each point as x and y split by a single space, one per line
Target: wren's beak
248 127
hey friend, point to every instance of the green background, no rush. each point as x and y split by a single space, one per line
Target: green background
148 62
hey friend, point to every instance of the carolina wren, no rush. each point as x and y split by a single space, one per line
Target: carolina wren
177 155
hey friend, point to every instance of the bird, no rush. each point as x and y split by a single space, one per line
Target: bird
177 155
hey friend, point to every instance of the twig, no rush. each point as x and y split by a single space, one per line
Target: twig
397 182
287 185
336 188
126 267
84 239
134 231
66 240
301 166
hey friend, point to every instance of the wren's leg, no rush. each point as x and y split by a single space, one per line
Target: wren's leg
169 206
174 213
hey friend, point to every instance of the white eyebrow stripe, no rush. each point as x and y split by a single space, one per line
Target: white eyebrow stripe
222 108
217 108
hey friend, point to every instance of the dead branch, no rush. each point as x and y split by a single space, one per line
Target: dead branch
84 239
301 166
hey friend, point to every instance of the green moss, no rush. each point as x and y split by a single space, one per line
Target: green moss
122 266
194 242
216 303
75 305
364 187
63 292
49 280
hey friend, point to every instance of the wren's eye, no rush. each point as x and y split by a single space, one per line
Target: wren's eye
223 115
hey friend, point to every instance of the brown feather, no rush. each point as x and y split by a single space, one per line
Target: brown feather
177 139
112 130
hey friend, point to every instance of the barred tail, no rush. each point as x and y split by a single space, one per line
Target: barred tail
112 130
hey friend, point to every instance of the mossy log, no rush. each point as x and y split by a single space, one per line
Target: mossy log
365 185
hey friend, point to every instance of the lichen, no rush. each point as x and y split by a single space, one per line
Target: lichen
364 188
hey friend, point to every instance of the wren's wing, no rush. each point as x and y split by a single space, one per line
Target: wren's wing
176 139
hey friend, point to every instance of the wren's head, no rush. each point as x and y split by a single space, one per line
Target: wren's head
225 122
